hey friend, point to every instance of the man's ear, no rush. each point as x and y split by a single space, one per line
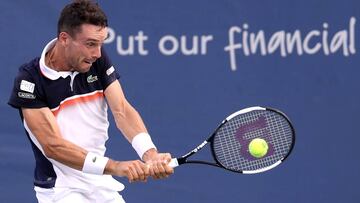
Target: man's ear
64 38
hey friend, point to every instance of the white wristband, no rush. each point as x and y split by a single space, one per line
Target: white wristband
94 164
141 143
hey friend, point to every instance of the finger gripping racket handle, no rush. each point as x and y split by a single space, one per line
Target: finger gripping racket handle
173 163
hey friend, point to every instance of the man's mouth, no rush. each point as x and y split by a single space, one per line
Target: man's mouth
89 61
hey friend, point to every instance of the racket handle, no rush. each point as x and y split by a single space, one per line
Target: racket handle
174 163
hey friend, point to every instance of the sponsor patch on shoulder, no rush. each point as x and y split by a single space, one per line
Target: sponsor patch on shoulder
110 70
26 95
27 86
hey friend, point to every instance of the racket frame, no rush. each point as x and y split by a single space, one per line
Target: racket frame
183 159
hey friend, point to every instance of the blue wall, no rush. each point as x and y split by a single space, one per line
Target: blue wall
183 97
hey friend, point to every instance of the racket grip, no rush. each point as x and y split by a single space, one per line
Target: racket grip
173 163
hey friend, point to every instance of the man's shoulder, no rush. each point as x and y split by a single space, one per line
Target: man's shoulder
29 71
30 67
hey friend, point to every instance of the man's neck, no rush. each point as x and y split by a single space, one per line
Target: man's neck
54 60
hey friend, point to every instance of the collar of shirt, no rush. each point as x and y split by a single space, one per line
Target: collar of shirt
47 71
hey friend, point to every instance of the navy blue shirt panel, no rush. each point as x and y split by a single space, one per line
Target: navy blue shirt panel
106 78
19 98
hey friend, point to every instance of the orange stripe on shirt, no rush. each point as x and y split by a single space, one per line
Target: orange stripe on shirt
81 99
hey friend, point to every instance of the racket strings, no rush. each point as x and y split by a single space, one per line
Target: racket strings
231 140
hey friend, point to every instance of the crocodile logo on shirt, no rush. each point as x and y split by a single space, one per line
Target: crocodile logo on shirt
92 78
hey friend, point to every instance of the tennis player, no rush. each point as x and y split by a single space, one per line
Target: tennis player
63 97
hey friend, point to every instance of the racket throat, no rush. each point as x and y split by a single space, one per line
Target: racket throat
198 148
181 160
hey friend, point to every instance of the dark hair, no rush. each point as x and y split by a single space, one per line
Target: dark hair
80 12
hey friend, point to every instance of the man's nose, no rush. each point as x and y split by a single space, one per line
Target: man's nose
97 52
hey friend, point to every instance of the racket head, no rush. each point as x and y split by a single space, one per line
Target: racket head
229 142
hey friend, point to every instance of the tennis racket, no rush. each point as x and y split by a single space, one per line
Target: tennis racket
230 142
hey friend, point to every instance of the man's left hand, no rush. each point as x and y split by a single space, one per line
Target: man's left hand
158 163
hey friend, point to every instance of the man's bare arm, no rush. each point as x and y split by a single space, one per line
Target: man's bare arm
42 123
131 125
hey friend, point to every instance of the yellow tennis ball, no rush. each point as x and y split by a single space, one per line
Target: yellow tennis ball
258 147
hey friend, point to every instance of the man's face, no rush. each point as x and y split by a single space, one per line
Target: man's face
85 47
